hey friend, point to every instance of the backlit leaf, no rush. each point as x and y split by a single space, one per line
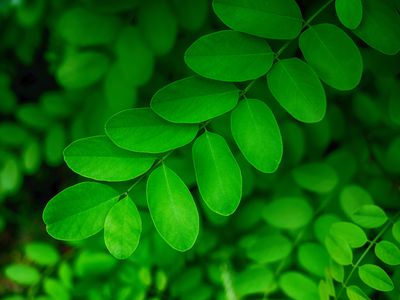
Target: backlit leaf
194 100
375 277
396 231
141 130
172 209
218 174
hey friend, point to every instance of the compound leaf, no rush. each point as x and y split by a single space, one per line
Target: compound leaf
333 55
141 130
122 229
194 100
98 158
375 277
229 56
296 87
257 135
218 174
172 208
273 19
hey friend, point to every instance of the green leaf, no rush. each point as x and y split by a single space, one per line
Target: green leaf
396 231
141 130
98 158
380 27
218 174
336 271
55 289
79 211
253 280
296 87
82 27
54 144
352 197
333 55
31 157
388 252
323 224
316 177
339 250
349 12
375 277
288 212
194 100
323 290
369 216
172 209
42 253
298 286
355 293
274 19
82 69
33 116
257 135
22 274
229 56
351 233
313 258
122 229
12 134
269 248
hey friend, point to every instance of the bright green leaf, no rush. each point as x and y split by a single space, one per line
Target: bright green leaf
55 289
257 135
349 12
253 280
172 209
273 19
316 177
229 56
79 211
339 250
375 277
313 258
351 233
288 212
296 87
122 229
42 253
333 55
194 100
98 158
369 216
388 252
218 174
355 293
141 130
298 286
22 274
352 197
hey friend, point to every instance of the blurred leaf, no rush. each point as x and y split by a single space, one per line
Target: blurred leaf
269 248
12 134
355 293
42 253
351 233
298 286
313 258
253 280
22 274
316 177
352 197
55 289
349 12
369 216
396 231
54 144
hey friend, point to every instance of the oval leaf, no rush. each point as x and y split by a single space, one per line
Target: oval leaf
388 252
350 232
257 135
270 248
79 211
229 56
316 177
273 19
98 158
172 209
396 231
141 130
194 100
333 55
296 87
369 216
218 174
42 254
122 229
355 293
22 274
375 277
339 250
313 257
349 12
298 286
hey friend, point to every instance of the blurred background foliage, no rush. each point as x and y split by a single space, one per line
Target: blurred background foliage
67 66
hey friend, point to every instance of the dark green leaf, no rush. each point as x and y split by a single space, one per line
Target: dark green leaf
141 130
375 277
79 211
98 158
349 12
257 135
218 174
55 289
194 100
333 55
396 231
316 177
388 252
229 56
273 19
172 209
296 87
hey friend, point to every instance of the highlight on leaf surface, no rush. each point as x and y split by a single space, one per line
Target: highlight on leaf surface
194 100
122 228
349 12
172 208
297 88
275 19
375 277
256 132
229 56
79 211
218 175
141 130
333 55
98 158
